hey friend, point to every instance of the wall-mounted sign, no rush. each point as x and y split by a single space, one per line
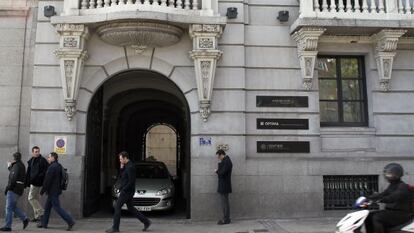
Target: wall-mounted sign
60 144
205 141
282 101
283 147
263 123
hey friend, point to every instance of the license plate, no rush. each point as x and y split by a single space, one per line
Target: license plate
144 208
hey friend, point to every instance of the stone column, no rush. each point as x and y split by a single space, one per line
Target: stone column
72 54
205 54
386 43
307 41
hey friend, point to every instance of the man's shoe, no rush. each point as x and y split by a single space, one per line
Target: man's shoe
111 230
146 225
39 225
221 222
70 226
5 229
25 223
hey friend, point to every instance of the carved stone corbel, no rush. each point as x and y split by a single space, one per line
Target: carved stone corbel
205 54
307 42
386 43
72 54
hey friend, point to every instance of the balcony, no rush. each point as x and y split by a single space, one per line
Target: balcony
356 17
95 12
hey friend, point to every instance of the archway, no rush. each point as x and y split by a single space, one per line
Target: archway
119 116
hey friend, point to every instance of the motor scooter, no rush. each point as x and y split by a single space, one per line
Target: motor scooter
353 222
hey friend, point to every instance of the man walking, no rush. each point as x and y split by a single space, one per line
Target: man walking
127 191
36 171
52 187
14 190
225 167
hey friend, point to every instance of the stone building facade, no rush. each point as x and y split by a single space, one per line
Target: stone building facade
305 105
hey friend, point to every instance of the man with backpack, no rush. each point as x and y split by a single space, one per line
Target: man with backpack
36 171
52 186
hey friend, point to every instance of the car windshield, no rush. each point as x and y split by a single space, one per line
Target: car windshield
152 171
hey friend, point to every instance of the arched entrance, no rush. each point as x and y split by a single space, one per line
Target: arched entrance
120 115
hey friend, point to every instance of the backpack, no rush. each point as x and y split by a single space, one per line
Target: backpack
64 181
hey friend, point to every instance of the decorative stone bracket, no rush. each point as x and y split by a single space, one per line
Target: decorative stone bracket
72 54
307 42
386 43
205 54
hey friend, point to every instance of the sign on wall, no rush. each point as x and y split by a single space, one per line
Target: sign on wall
282 101
263 123
283 147
60 144
205 141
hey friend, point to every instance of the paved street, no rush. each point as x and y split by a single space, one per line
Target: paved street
129 225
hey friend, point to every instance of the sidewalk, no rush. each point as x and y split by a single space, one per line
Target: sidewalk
129 225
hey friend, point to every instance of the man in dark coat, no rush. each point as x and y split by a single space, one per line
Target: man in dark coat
36 171
224 170
398 199
126 193
14 190
52 187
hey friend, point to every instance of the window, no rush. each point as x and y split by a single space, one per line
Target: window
342 91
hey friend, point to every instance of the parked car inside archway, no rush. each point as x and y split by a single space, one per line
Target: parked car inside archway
154 188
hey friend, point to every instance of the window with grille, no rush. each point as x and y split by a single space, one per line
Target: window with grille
342 91
341 191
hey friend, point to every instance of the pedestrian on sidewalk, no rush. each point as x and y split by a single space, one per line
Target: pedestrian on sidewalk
225 167
14 191
52 187
36 171
127 191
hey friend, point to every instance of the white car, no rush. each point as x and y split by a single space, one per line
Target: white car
154 188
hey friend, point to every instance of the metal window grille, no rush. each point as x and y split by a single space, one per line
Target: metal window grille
341 191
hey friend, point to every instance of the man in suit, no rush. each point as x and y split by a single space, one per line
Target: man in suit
52 187
14 191
127 191
223 171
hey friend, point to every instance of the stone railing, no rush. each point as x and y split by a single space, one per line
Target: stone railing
357 9
183 7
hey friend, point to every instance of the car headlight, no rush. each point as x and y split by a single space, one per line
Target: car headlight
163 192
116 191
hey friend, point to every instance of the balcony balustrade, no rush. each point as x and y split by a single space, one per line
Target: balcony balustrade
357 9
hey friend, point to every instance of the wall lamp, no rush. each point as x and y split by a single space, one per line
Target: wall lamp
231 13
283 16
49 11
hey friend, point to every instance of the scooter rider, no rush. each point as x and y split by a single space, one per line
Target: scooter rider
398 202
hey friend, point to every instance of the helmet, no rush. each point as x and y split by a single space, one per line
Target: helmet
393 172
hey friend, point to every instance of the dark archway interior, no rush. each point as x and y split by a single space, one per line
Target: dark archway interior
119 116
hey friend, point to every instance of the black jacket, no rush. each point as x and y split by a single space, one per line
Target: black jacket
36 171
224 175
52 181
17 178
127 179
397 196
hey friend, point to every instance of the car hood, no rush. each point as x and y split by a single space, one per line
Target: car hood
152 184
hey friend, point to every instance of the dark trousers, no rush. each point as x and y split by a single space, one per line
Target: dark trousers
126 199
379 221
225 206
53 201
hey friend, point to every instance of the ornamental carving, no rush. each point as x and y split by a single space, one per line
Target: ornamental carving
205 55
140 34
72 54
206 43
386 42
68 75
307 42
